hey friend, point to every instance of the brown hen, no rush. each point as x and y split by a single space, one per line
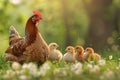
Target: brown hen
30 48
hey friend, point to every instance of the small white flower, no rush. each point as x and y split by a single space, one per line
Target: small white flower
108 74
22 71
110 57
32 68
43 69
101 77
102 62
16 65
76 68
17 72
56 71
60 72
93 69
90 66
16 2
24 77
117 68
64 72
96 68
46 66
118 58
91 62
29 66
9 74
5 76
25 66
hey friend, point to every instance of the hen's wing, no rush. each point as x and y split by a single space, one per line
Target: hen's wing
15 52
16 45
13 35
17 48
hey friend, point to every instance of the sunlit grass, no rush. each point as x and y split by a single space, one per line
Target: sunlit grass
106 69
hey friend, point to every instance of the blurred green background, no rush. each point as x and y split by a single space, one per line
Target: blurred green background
94 23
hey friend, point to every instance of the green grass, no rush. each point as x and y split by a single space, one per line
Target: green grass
63 71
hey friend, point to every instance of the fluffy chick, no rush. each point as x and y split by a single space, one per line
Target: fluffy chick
91 55
69 56
55 55
79 53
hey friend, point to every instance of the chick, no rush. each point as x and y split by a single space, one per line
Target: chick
91 55
79 53
69 56
55 55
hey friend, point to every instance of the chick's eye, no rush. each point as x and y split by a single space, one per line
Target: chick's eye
68 48
53 45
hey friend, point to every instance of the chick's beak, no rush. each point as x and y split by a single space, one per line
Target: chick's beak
85 51
66 50
57 45
75 51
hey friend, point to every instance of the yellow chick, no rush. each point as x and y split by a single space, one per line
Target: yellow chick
55 55
91 55
69 56
79 53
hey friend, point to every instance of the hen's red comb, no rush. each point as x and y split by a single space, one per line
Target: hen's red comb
37 13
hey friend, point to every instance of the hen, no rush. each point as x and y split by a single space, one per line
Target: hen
69 56
55 55
30 48
91 55
79 53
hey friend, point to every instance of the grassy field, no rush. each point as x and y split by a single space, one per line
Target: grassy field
106 69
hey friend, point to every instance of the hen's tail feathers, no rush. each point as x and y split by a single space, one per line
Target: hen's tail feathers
13 32
13 35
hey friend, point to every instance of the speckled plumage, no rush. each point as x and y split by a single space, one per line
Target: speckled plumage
30 48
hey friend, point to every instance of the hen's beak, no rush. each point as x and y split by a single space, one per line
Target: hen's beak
41 18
